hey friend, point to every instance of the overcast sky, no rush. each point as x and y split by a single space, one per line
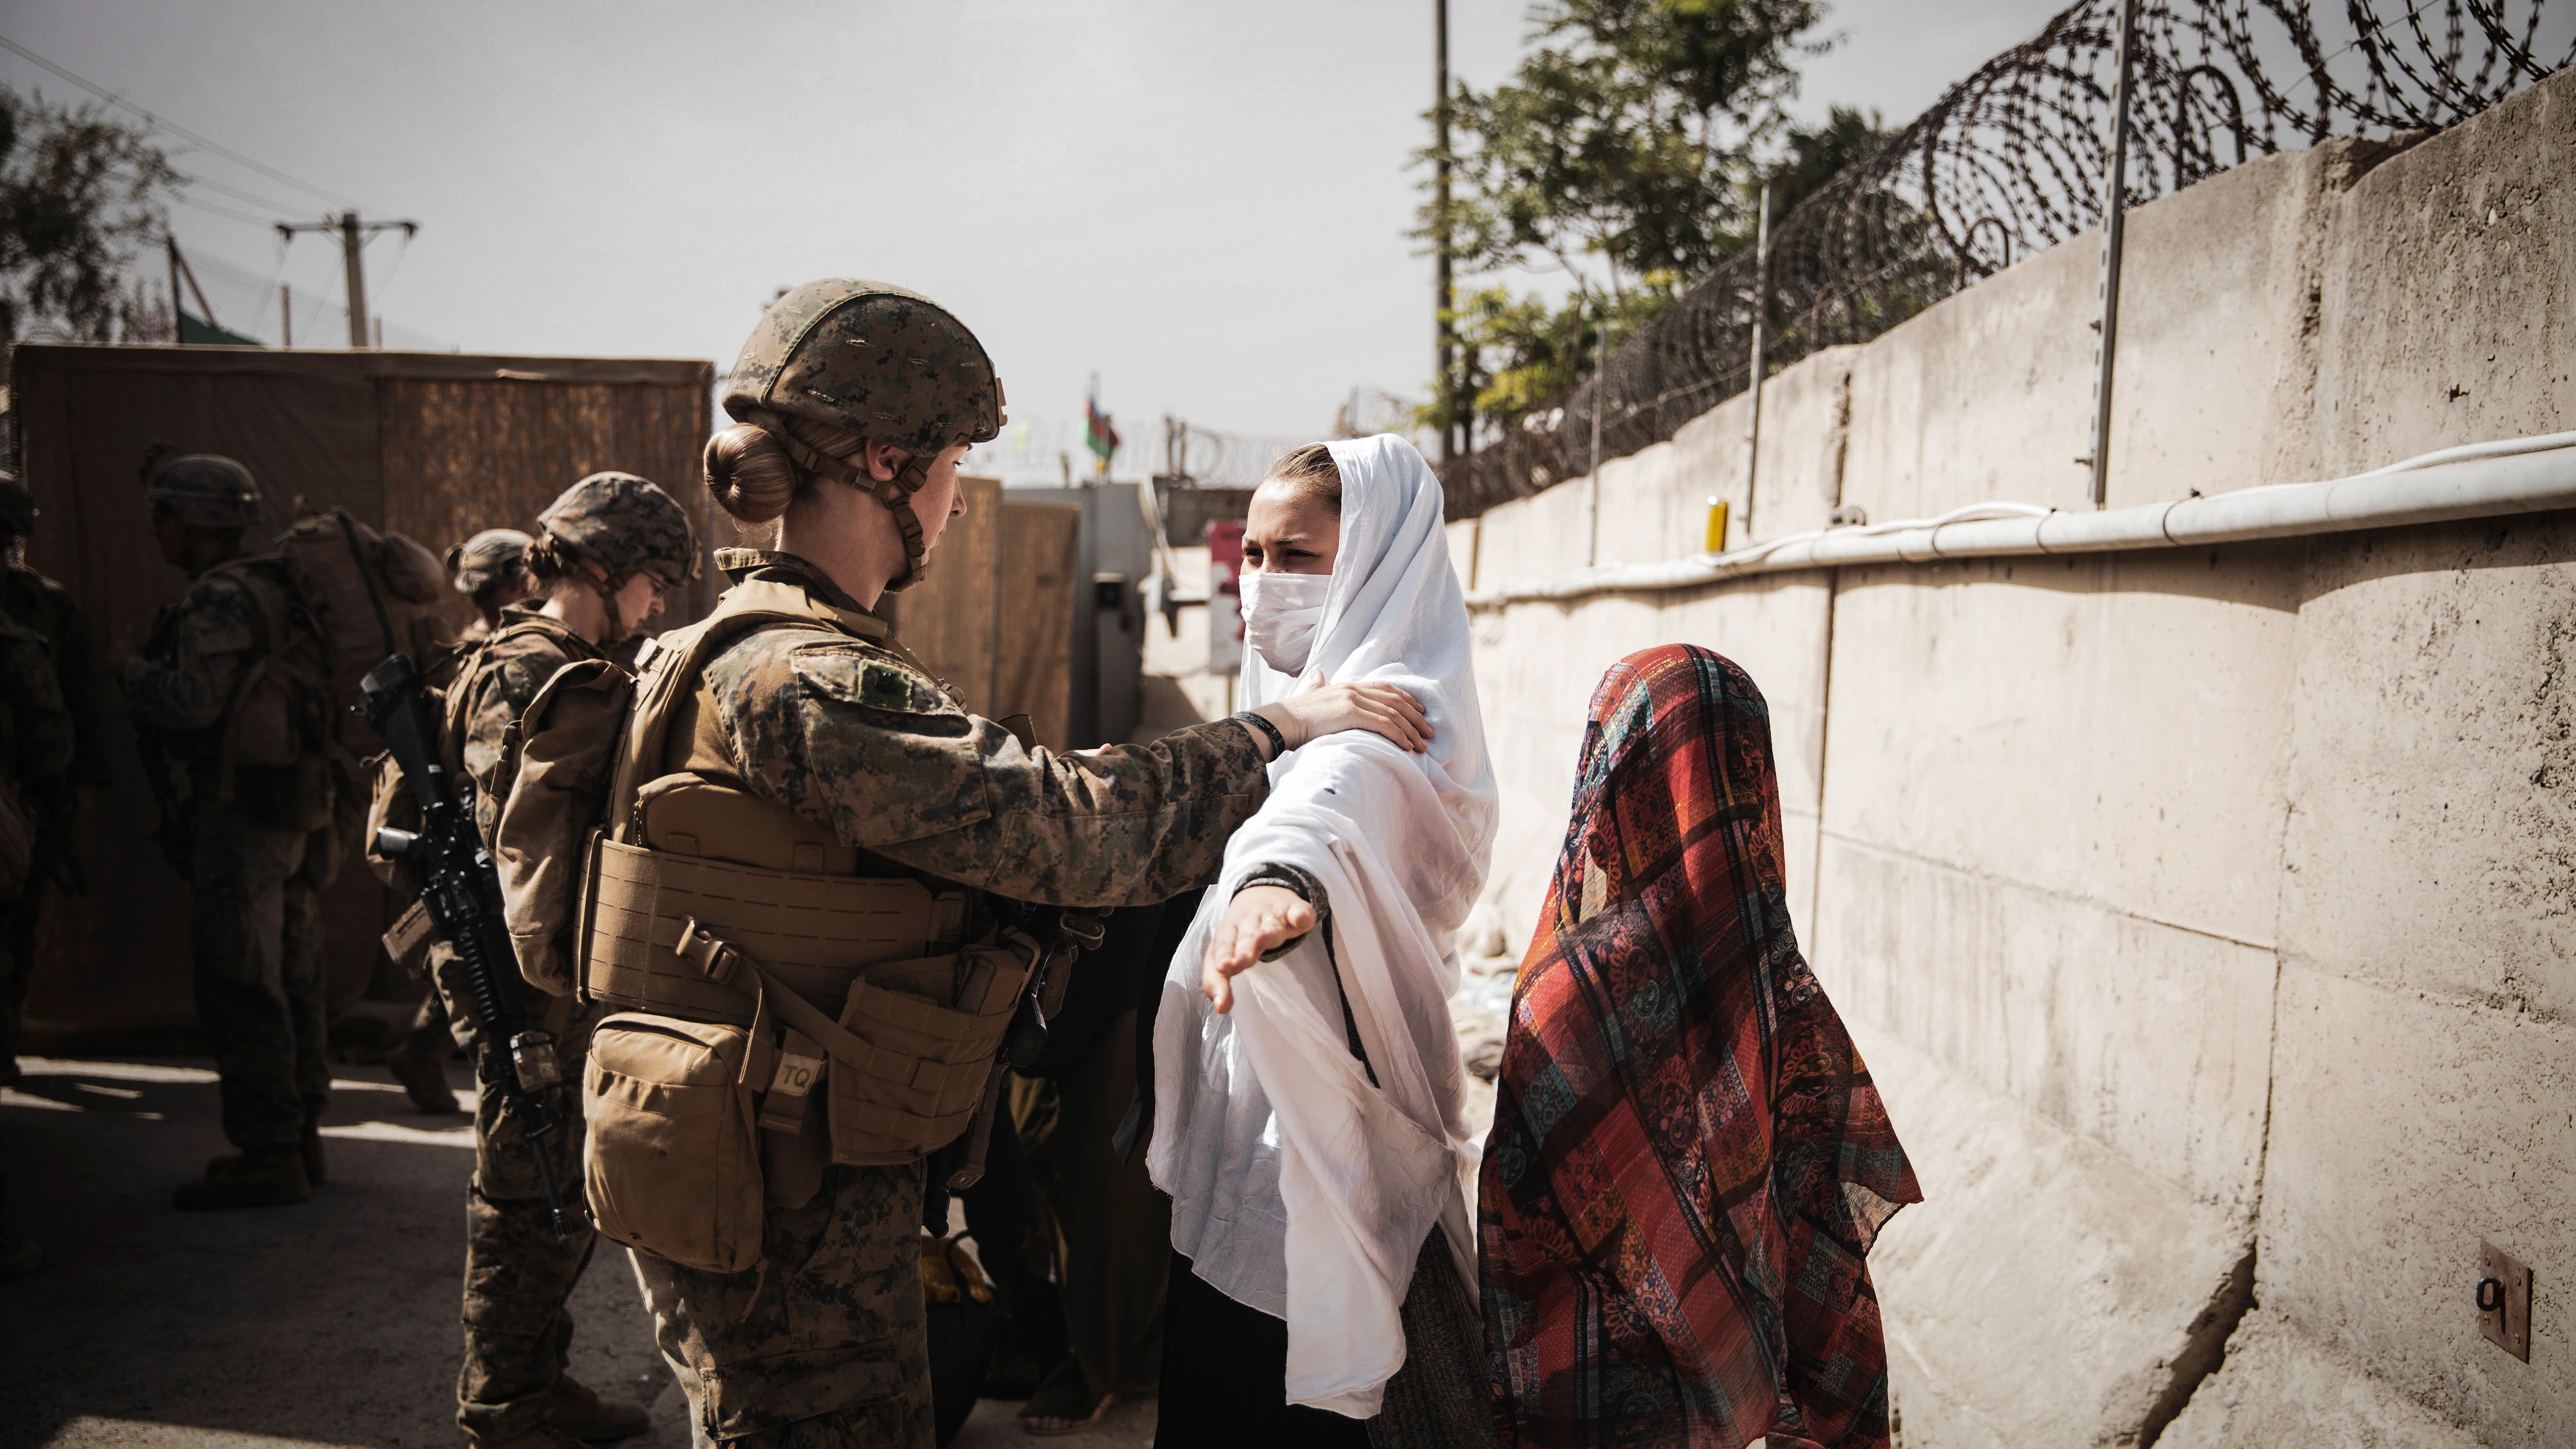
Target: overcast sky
1205 203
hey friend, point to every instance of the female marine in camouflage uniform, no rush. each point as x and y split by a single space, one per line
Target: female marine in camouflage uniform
855 401
605 553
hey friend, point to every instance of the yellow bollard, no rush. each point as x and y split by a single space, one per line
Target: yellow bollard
1717 525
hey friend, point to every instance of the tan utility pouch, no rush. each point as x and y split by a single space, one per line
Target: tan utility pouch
672 1161
927 1064
905 1073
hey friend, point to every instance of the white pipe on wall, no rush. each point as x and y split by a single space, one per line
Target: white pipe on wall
2481 480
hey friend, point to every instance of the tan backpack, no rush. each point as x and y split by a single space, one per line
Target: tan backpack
332 598
369 594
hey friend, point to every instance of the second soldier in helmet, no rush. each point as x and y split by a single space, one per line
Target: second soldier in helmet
809 752
606 552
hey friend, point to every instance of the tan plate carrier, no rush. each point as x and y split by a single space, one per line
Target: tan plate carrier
707 903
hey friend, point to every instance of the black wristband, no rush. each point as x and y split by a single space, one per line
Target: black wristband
1260 724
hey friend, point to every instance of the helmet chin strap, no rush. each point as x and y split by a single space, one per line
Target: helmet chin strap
895 493
608 589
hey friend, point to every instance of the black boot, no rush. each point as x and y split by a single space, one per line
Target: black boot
261 1177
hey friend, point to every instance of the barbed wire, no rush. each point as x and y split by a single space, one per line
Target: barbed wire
2009 163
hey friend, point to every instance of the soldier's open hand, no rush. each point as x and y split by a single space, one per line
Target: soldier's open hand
1322 709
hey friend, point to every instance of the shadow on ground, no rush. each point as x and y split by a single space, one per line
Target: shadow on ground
332 1322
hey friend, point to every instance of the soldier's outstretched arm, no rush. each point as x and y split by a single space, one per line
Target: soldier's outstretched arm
845 736
192 686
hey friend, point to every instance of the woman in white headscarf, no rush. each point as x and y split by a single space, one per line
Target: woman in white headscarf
1307 1085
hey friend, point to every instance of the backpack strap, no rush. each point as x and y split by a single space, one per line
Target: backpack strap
670 674
268 625
468 678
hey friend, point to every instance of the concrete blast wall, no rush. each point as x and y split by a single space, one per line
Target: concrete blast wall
2206 915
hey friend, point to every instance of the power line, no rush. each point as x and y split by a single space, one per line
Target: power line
221 210
182 132
237 193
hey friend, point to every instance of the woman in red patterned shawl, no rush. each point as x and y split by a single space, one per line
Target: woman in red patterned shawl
1688 1160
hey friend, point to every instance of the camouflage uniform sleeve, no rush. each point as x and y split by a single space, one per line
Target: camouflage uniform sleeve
842 734
35 700
191 686
504 683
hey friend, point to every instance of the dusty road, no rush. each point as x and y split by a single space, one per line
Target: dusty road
332 1322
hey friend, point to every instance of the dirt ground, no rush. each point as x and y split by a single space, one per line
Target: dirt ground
332 1322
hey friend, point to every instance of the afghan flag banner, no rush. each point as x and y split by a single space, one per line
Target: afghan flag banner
1098 435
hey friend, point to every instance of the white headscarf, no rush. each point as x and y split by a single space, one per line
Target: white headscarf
1297 1187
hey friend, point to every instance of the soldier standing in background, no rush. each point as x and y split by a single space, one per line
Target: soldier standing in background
491 568
35 747
51 799
610 547
250 837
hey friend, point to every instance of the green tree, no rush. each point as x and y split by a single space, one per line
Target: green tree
79 196
1616 155
1815 156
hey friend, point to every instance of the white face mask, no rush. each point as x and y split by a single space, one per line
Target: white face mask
1280 612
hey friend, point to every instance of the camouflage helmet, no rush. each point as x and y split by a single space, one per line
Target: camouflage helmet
875 360
17 506
204 490
487 558
625 525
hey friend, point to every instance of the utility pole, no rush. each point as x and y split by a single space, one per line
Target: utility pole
353 241
1592 484
1446 302
1761 316
174 287
2115 197
179 268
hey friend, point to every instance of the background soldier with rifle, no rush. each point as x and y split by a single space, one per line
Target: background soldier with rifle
52 798
606 551
222 737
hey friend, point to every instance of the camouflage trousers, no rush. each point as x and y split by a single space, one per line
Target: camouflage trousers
18 922
255 933
821 1346
518 1277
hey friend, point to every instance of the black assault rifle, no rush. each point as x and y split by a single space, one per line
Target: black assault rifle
458 884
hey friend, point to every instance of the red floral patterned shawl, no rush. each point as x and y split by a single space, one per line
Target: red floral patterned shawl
1688 1160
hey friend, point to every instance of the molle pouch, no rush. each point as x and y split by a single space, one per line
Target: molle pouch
673 1159
932 1028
